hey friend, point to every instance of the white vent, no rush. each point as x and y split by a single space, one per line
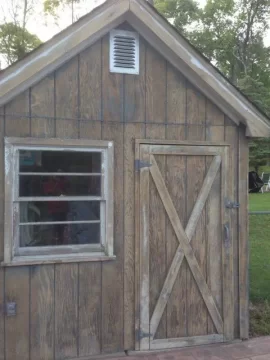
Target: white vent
124 52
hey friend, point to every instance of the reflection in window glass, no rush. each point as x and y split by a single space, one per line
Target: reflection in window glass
59 234
60 161
48 211
32 185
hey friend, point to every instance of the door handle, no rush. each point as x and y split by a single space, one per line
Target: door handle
227 235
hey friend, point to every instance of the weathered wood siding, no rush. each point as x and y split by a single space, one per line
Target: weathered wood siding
73 310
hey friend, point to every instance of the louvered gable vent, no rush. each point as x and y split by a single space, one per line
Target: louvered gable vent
124 52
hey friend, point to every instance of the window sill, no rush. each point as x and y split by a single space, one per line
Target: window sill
56 259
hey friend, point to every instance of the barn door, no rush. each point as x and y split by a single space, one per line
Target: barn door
186 289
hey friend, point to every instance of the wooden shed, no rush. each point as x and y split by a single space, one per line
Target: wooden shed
124 161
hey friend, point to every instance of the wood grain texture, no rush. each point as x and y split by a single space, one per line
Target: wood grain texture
214 132
143 188
196 104
157 241
112 90
176 97
155 86
228 250
17 327
196 114
134 111
66 310
156 112
90 309
42 312
66 99
42 105
17 121
176 184
134 93
231 136
243 235
90 82
131 132
185 245
90 91
157 248
178 256
197 313
112 272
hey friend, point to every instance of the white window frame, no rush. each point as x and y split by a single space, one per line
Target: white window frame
16 255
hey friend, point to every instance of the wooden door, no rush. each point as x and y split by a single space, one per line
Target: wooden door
186 256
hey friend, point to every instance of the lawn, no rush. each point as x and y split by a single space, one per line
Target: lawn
259 202
259 236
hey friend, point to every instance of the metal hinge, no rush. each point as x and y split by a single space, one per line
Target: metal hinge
231 205
139 164
141 334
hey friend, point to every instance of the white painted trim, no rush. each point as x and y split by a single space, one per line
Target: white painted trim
124 70
12 250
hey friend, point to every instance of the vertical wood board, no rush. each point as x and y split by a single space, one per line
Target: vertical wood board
112 87
112 272
17 327
90 83
90 296
42 108
243 235
42 312
17 121
66 311
66 99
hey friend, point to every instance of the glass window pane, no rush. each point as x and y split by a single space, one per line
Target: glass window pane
59 234
48 211
59 185
60 161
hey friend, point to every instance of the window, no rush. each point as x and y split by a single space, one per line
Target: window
124 52
59 201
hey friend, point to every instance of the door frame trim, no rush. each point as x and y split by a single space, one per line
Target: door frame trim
171 343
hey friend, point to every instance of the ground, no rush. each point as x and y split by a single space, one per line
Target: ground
260 265
259 202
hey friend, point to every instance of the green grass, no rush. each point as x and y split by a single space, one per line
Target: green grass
260 319
259 236
262 169
259 202
259 257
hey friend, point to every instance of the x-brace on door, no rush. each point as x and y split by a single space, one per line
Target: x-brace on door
186 254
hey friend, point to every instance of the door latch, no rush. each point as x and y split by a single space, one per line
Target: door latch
231 205
227 236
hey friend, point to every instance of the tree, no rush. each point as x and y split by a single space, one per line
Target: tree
16 42
52 7
230 33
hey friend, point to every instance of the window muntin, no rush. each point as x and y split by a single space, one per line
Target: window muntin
61 199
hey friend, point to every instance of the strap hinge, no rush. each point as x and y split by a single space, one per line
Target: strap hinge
139 164
141 334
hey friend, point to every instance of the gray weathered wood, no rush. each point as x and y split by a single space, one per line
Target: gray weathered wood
179 255
182 237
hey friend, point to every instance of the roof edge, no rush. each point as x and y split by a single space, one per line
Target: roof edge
203 74
61 48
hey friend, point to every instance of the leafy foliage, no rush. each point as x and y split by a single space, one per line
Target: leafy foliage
16 42
231 34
